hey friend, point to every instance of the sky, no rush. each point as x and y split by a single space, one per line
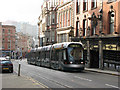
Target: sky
20 10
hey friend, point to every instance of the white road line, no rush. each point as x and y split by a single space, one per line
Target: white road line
83 78
112 86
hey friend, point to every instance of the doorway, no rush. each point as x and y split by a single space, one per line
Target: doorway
94 58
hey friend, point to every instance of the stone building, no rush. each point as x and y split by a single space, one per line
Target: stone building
51 19
48 22
65 20
42 24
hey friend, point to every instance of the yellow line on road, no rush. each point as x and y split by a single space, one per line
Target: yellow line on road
36 82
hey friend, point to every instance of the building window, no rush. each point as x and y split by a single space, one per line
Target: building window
3 31
61 37
53 36
3 39
3 47
53 18
9 31
94 4
48 20
67 18
59 20
77 28
93 30
70 17
111 22
84 27
85 5
78 6
64 18
8 46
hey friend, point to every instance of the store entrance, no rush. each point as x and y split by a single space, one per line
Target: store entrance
94 58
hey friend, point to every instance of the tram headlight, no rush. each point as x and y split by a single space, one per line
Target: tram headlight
81 62
71 62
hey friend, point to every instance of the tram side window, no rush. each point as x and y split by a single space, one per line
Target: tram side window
60 55
47 54
57 55
53 55
39 55
64 55
42 55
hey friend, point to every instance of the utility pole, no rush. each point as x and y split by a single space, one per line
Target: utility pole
101 66
10 49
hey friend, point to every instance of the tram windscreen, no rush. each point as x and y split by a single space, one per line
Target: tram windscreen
75 53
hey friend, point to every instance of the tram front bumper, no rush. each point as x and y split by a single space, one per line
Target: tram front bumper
73 67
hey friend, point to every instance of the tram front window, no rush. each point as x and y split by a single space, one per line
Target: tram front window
75 54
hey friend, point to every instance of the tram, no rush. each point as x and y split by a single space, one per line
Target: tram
67 56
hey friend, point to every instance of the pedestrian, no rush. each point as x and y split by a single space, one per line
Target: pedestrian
20 58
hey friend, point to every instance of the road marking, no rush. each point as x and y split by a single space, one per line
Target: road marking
36 82
112 86
83 78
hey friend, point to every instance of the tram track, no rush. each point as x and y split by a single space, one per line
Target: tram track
53 81
50 79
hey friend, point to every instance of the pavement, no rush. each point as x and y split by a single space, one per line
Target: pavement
103 71
12 80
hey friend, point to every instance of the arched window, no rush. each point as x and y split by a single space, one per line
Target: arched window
111 22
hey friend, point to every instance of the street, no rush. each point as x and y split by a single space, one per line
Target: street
50 78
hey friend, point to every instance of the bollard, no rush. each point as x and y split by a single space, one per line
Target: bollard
19 69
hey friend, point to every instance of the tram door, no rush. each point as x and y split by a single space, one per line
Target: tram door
94 58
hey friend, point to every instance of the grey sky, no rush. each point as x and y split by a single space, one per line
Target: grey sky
20 10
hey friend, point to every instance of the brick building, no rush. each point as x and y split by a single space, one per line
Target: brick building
0 39
97 26
23 44
95 23
8 40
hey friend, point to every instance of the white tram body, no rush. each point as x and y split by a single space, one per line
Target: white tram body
67 56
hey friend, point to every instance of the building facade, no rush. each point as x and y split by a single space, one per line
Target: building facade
48 23
8 40
0 39
42 24
65 20
51 19
24 43
97 26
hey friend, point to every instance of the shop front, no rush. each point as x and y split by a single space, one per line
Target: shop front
101 52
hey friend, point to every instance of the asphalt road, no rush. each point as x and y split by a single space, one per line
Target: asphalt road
50 78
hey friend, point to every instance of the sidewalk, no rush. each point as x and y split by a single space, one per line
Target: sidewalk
13 81
103 71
